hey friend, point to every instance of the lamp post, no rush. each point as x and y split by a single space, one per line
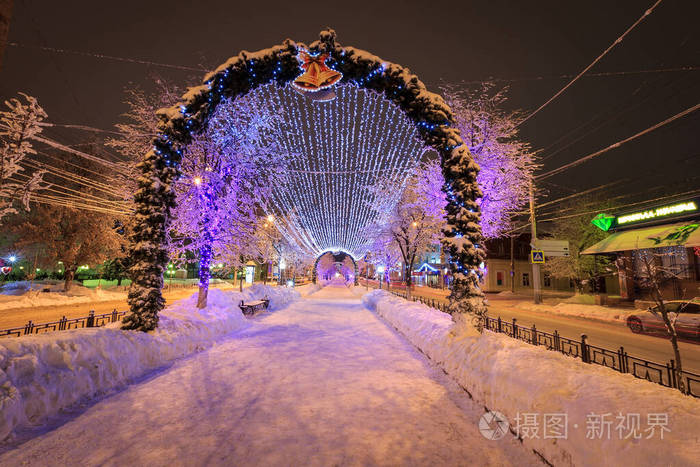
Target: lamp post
170 273
380 270
282 266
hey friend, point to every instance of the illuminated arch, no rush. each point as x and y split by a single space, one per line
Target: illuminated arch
155 197
356 277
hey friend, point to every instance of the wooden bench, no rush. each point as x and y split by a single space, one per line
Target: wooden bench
254 306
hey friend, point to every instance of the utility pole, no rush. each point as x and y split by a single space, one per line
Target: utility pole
512 263
533 244
5 17
366 275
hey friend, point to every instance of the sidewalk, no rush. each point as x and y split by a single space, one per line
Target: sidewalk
322 382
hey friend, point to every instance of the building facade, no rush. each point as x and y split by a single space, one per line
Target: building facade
508 268
659 243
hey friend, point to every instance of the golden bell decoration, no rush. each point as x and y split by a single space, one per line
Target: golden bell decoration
316 75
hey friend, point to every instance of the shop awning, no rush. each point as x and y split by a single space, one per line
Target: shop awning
682 234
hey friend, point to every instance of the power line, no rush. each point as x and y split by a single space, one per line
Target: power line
617 144
46 124
581 193
602 74
62 161
559 210
43 198
104 56
62 147
617 41
677 195
613 114
71 177
79 127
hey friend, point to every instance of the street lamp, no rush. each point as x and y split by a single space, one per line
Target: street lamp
380 270
282 267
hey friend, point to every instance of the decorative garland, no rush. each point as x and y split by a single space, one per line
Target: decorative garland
240 74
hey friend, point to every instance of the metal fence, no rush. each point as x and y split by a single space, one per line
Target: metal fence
618 360
90 321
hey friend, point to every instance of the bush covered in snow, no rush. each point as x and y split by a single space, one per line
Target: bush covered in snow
42 374
515 378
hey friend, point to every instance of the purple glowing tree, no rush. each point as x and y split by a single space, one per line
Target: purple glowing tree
325 269
415 221
506 162
227 175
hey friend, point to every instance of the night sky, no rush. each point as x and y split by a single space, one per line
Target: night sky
450 41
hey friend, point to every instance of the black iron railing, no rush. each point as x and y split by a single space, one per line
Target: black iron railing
90 321
618 360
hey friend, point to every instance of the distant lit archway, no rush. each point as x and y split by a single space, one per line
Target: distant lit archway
335 257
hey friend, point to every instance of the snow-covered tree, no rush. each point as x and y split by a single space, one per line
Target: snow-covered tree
506 162
325 267
227 175
347 269
416 221
384 253
18 125
655 270
580 233
267 240
137 132
73 237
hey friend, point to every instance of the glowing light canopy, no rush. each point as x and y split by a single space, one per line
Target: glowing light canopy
340 147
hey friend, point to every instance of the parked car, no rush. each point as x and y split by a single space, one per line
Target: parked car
687 321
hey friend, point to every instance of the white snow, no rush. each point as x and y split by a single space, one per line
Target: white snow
513 377
21 294
41 375
579 310
322 382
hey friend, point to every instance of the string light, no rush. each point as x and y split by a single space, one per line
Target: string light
340 147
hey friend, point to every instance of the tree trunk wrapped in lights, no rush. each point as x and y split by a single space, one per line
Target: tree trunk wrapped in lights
280 65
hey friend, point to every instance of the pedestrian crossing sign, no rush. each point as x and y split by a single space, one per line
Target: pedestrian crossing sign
537 256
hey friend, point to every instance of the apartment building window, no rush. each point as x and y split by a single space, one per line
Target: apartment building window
526 279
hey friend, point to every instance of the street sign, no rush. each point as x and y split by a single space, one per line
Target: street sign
554 247
537 256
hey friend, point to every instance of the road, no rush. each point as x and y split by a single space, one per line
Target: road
602 334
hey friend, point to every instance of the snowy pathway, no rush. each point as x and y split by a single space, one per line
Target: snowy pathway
323 382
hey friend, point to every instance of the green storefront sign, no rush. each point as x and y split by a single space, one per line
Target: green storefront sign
606 222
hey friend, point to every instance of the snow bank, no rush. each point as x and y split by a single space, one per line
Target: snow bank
42 374
279 296
582 299
515 378
22 294
308 289
596 312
